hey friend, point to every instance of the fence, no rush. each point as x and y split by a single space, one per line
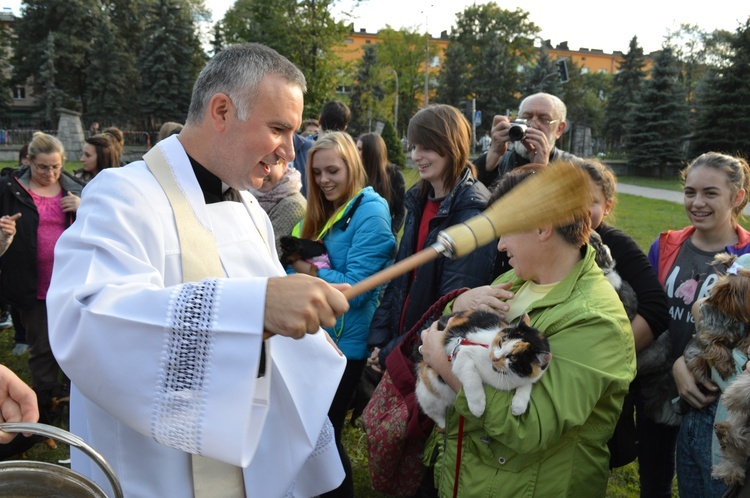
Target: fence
23 136
20 137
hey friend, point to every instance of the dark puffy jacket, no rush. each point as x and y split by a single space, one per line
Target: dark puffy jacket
437 277
18 271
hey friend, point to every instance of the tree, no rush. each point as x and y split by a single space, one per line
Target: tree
655 135
403 51
584 95
5 82
723 122
493 42
698 52
70 22
625 88
542 76
51 97
367 93
302 30
169 69
393 144
112 79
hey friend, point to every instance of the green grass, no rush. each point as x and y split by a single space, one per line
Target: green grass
69 166
665 183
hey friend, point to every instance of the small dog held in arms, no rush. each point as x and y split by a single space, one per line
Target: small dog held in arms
484 349
712 354
312 251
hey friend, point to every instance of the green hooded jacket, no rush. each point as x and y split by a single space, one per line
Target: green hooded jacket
559 446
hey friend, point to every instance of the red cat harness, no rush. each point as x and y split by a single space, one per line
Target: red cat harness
464 342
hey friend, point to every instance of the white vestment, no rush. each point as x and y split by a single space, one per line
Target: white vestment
161 369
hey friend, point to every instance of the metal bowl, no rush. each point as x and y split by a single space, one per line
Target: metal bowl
30 479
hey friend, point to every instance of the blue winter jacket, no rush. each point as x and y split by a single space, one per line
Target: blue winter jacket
358 249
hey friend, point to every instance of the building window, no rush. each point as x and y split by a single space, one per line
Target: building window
585 70
367 41
343 89
19 93
435 61
348 40
602 71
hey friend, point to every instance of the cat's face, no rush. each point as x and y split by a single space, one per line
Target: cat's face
520 350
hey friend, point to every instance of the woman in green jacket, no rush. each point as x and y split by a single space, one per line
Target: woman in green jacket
559 446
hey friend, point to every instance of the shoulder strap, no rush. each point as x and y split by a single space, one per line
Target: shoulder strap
200 259
198 253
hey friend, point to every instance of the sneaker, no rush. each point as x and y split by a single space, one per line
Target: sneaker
5 321
20 349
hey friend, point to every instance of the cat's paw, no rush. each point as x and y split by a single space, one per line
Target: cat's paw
477 406
518 407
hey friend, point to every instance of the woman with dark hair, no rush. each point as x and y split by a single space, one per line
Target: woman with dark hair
99 152
118 138
383 177
446 194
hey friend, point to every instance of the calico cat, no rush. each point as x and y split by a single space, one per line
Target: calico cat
484 349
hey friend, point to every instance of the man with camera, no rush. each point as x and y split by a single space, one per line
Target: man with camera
528 139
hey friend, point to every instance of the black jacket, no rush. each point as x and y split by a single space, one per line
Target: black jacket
510 161
437 277
18 269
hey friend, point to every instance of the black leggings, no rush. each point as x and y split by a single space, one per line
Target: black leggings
337 414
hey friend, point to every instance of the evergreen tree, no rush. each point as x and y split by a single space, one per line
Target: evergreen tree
655 134
70 22
453 87
217 42
50 98
724 118
625 88
393 144
112 79
5 82
169 65
542 76
366 93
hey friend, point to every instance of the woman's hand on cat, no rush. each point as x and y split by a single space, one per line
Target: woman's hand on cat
689 389
490 298
433 353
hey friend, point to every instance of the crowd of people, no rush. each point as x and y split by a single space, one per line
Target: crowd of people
199 365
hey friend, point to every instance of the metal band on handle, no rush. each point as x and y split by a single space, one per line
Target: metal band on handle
70 439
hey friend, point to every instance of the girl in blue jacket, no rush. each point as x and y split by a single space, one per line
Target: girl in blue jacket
354 223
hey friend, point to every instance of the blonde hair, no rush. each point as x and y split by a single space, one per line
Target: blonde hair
41 143
320 209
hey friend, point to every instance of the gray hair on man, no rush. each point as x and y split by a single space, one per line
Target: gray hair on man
236 72
557 104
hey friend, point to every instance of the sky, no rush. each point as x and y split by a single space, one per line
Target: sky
582 23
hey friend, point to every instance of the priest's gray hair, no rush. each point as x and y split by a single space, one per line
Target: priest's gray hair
236 72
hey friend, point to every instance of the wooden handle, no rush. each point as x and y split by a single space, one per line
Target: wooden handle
403 266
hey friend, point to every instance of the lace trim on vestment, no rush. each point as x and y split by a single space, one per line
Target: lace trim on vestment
184 370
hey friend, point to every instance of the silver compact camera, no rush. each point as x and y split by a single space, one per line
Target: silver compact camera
517 131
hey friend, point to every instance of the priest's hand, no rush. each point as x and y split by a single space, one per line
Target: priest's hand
300 304
17 402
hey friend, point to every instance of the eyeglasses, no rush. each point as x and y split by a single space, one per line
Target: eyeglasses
47 169
540 121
